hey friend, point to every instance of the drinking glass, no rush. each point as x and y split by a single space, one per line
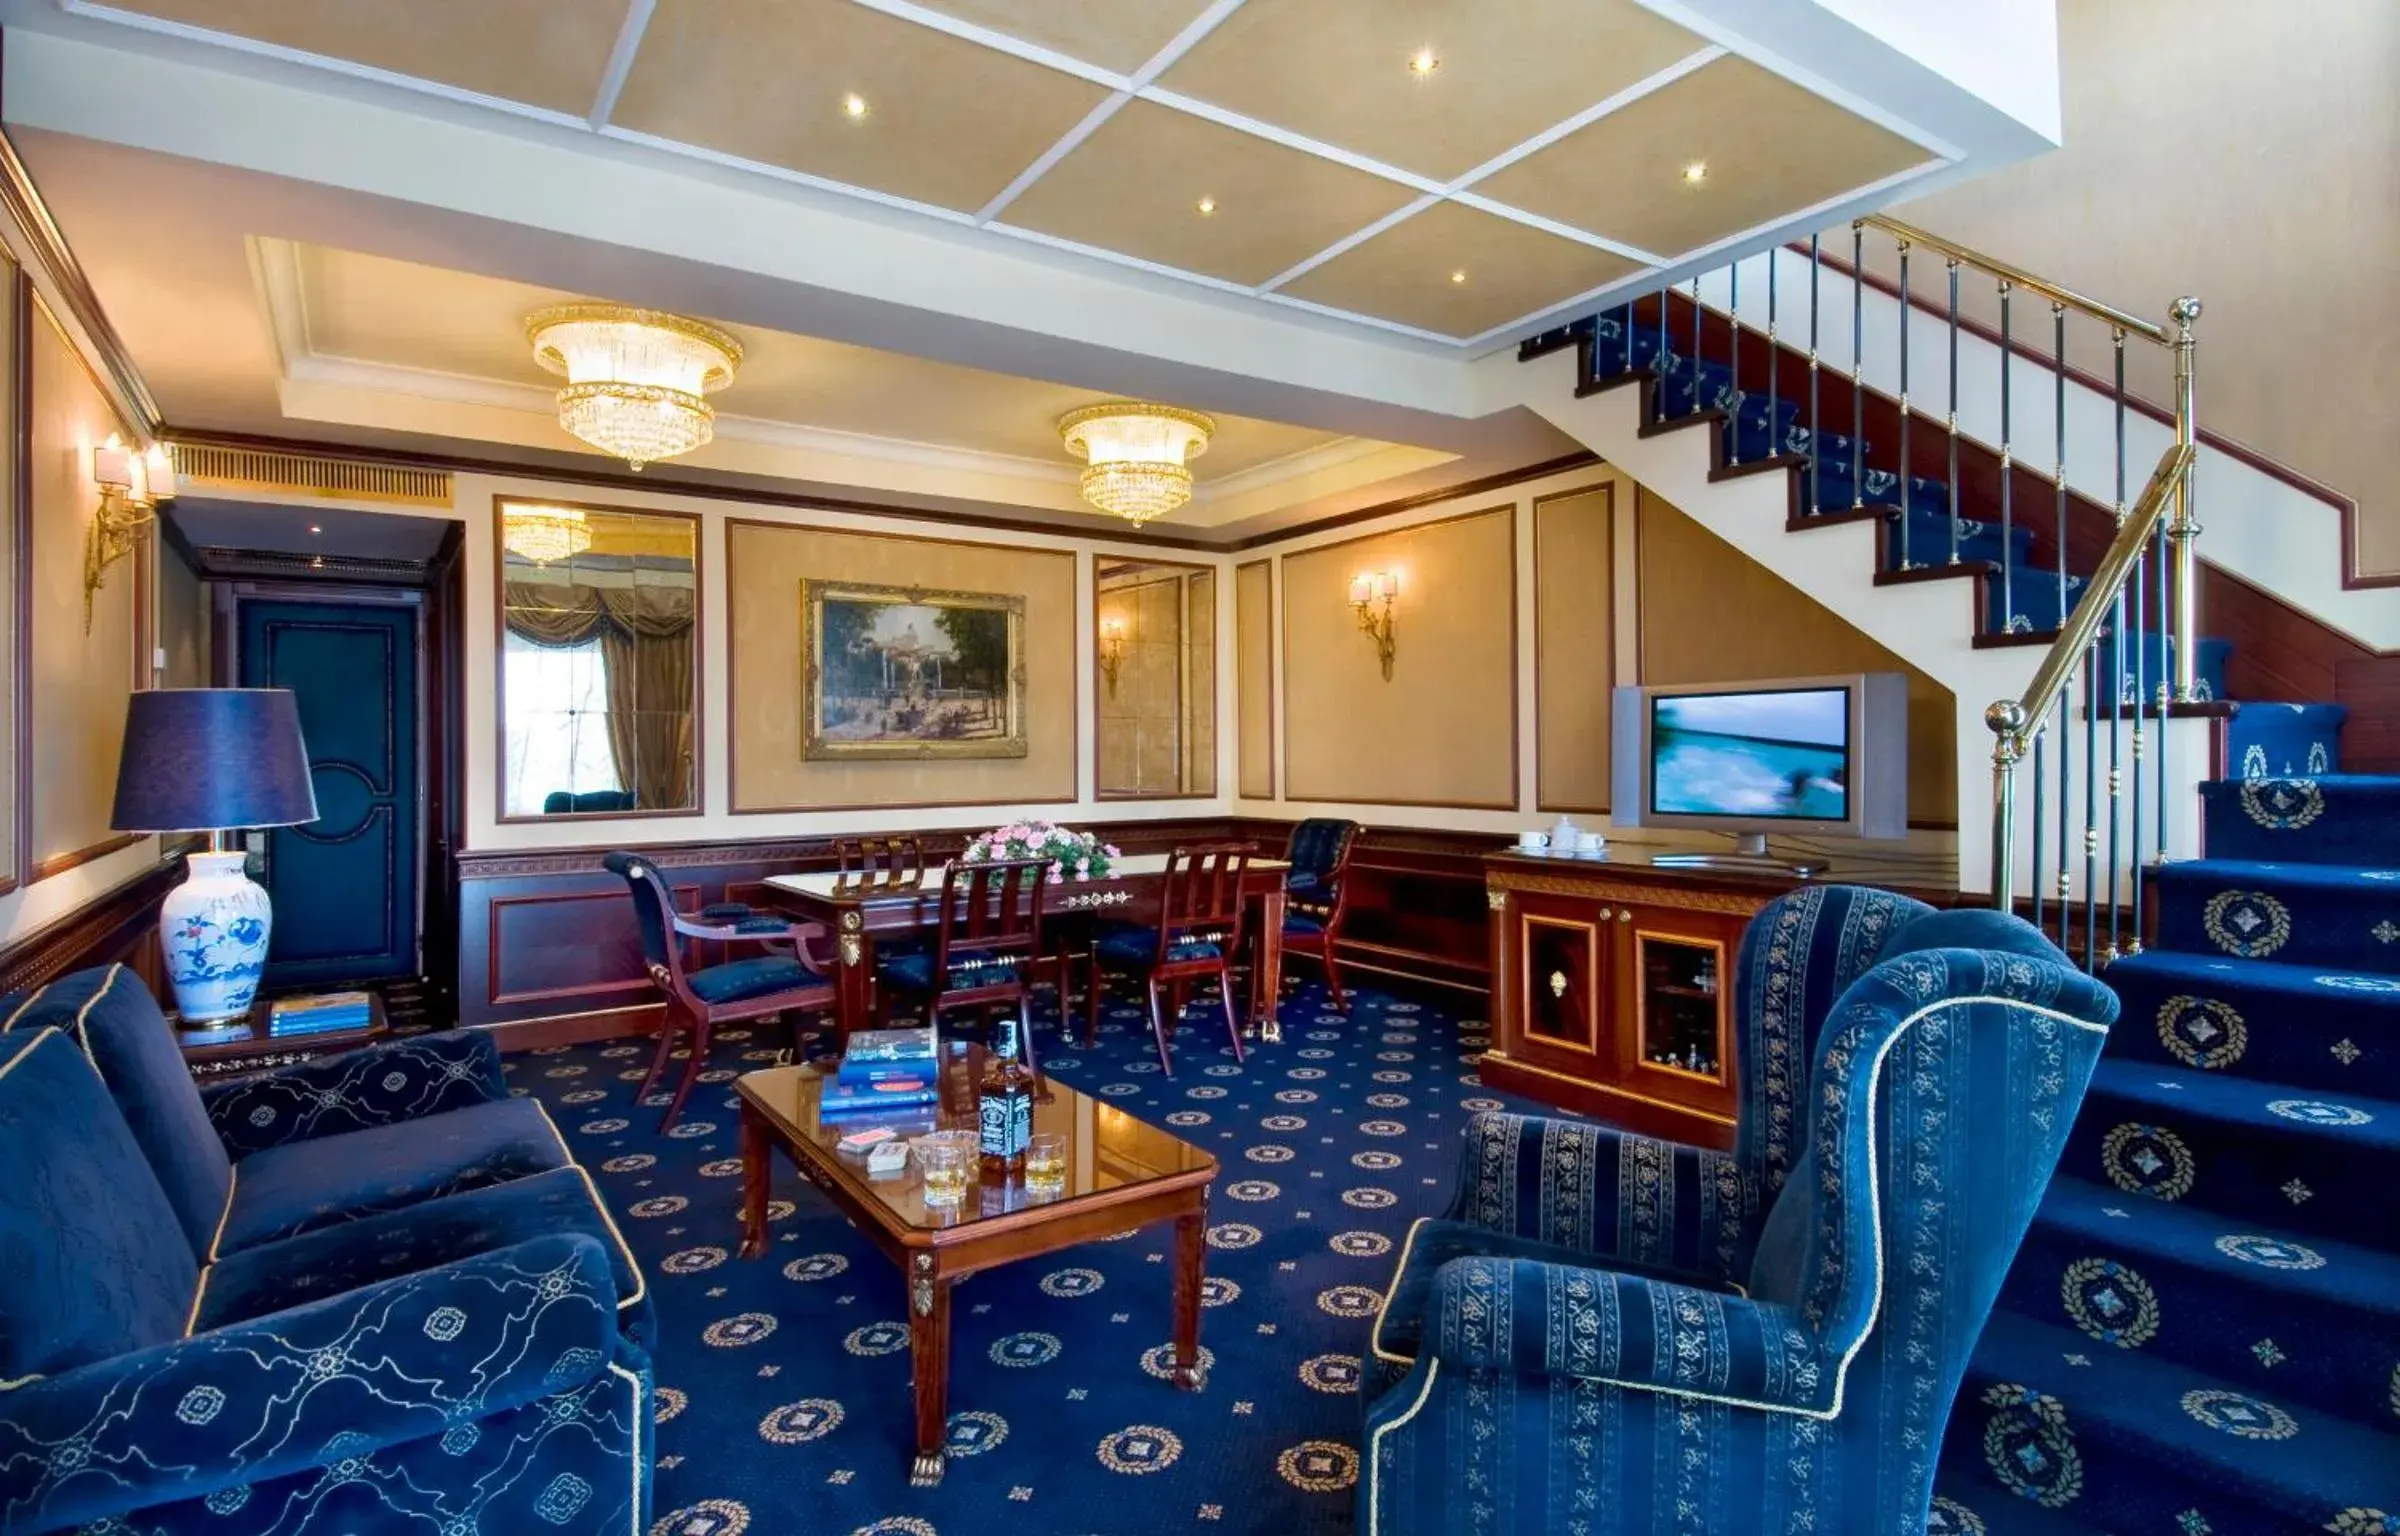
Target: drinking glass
1046 1161
947 1161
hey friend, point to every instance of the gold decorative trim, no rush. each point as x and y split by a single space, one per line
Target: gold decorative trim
1589 1045
1520 1064
1109 410
1504 880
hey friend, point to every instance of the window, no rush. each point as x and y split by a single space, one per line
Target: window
562 745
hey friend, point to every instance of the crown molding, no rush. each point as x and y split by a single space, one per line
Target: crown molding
47 249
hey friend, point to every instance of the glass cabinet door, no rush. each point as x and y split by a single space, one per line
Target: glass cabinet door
1679 1003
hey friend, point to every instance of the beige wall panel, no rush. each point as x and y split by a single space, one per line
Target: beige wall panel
1200 682
1443 731
1575 620
1710 614
2180 113
182 623
80 680
764 567
1254 678
550 53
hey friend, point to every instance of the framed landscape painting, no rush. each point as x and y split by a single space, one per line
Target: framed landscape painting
902 672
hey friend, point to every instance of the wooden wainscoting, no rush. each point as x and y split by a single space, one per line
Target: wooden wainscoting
549 953
120 927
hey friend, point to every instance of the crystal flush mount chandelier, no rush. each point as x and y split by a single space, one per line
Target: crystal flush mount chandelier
545 535
635 377
1135 455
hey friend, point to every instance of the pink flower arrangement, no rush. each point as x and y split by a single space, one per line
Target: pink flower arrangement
1076 855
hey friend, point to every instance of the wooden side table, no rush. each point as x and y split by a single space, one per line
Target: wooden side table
260 1051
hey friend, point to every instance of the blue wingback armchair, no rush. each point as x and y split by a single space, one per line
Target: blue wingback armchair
493 1392
1615 1335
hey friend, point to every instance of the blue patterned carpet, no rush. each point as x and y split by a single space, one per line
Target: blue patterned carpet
784 1382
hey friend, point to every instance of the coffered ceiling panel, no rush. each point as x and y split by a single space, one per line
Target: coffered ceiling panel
945 122
1140 183
1456 271
1768 147
1340 71
1122 35
546 53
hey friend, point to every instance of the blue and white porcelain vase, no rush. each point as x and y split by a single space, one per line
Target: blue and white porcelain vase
213 928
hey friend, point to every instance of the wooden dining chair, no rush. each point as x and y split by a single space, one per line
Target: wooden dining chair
1317 891
985 949
788 979
879 860
1199 929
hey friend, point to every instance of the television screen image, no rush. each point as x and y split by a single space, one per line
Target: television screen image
1781 755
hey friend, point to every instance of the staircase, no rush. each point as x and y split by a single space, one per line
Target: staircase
2201 1336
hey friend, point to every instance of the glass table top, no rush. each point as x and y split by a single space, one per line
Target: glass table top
1107 1150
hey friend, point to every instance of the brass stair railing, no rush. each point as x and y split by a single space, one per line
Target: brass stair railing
2127 646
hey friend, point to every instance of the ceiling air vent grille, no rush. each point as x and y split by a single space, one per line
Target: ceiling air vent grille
217 561
309 474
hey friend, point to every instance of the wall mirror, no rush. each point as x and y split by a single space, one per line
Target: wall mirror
599 678
1155 694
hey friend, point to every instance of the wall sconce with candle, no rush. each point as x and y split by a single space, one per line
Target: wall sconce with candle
131 487
1113 633
1371 597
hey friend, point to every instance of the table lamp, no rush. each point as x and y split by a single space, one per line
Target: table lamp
214 760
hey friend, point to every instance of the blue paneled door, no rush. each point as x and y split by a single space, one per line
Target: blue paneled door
345 885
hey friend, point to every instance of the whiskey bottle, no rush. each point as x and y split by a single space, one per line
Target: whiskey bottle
1004 1107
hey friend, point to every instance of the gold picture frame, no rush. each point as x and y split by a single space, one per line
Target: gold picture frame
910 673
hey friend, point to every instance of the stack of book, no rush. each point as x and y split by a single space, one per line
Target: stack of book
318 1013
881 1069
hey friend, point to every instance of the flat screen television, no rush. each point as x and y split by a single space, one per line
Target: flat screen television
1825 755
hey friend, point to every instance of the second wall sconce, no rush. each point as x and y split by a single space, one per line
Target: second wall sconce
1371 597
131 487
1112 650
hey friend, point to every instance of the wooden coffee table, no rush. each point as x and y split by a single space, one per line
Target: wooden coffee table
1121 1174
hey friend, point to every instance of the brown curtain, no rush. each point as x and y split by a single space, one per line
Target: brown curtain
646 646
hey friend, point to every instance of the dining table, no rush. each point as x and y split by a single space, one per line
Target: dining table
859 908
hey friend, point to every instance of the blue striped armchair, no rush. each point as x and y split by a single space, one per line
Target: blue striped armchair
1613 1335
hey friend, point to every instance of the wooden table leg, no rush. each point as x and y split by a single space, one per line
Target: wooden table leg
758 1180
1191 1256
1270 967
929 1363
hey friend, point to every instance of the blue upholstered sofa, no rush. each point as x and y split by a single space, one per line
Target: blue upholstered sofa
362 1293
1608 1334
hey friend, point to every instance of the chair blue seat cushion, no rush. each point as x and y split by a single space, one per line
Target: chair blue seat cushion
911 970
1400 1328
725 912
331 1260
1299 925
1135 945
755 977
288 1190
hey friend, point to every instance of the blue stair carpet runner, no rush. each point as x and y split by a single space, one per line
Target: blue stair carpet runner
784 1403
2201 1336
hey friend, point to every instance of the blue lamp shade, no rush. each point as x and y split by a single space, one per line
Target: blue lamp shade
213 759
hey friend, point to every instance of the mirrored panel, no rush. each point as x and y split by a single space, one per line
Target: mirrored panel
1156 695
599 680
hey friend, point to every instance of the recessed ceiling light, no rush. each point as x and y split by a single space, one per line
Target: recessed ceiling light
1459 276
1424 62
1206 205
1696 172
313 528
854 105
